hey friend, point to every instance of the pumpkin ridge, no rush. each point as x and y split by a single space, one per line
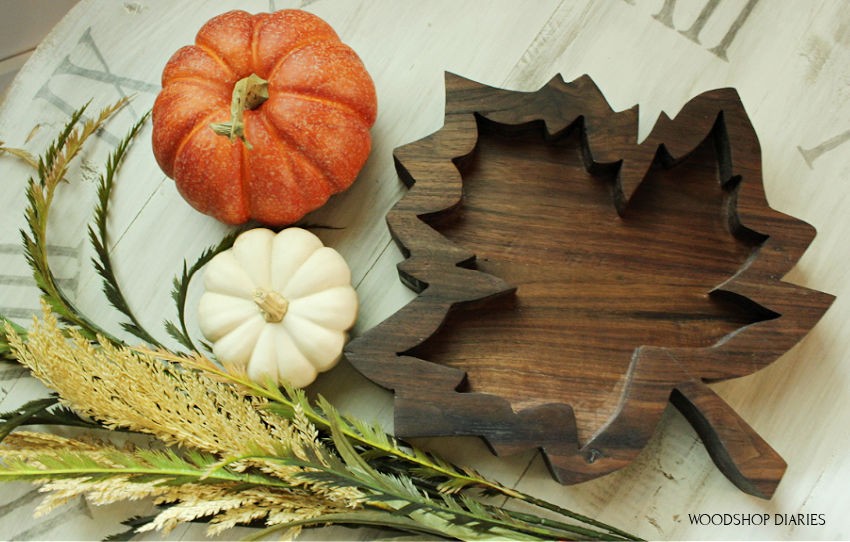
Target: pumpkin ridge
256 24
211 83
325 33
311 160
215 56
298 47
200 125
244 172
293 152
204 121
345 107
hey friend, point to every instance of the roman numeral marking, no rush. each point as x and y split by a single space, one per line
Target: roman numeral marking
13 281
812 154
101 74
665 17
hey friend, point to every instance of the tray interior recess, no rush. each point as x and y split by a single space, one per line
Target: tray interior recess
591 285
572 281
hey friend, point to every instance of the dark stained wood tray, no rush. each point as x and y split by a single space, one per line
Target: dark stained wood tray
571 280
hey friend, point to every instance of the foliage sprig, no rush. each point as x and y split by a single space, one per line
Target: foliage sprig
52 167
98 231
180 290
232 451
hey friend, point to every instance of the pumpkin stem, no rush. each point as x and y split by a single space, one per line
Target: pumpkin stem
272 304
248 93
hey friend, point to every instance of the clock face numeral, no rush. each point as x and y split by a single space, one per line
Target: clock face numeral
97 71
813 153
11 281
89 69
665 17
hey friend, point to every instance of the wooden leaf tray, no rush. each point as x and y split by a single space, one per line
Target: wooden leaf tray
571 280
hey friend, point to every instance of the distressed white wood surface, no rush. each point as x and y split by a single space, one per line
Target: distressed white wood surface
789 60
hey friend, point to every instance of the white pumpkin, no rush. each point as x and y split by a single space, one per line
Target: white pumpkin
279 305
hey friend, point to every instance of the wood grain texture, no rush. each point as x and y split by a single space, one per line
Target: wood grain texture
570 279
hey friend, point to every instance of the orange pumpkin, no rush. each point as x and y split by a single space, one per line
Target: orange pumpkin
264 117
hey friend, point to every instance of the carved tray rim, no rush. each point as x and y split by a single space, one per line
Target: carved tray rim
739 452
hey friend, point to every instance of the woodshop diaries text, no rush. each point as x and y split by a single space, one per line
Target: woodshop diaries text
746 520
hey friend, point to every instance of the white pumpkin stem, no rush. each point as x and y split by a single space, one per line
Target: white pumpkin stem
272 304
248 93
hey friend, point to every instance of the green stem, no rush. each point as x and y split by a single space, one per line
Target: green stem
389 501
52 168
25 414
248 94
379 519
176 473
522 524
610 533
98 237
274 394
579 517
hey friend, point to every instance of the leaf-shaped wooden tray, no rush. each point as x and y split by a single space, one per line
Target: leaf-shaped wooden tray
571 281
